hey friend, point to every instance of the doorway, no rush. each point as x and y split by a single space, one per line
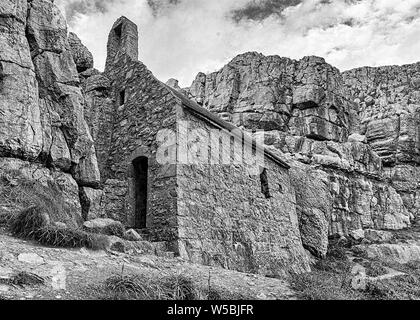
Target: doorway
141 168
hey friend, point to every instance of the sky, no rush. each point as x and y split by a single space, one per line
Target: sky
179 38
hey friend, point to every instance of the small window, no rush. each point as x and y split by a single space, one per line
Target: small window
118 32
265 189
122 97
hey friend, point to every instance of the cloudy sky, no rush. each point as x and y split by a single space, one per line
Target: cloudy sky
179 38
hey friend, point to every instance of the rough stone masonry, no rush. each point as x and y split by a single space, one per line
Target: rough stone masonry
341 149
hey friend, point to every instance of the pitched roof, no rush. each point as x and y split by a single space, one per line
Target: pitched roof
214 119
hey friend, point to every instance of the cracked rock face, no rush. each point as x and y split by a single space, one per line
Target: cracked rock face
41 102
305 97
389 109
20 124
388 100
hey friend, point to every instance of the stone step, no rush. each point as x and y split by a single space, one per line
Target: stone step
167 254
147 246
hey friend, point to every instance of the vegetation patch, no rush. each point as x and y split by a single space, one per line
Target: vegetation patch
405 287
18 193
33 223
28 222
174 287
331 279
140 288
374 268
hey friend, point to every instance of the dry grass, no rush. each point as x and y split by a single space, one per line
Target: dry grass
405 287
18 193
5 217
330 279
174 287
28 222
33 223
140 288
374 268
63 238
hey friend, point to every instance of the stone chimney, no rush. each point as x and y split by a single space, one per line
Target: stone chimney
123 41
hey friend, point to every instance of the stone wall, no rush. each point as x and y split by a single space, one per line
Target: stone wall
224 217
148 107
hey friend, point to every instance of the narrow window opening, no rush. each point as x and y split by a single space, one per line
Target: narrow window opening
1 77
118 32
141 168
122 97
265 189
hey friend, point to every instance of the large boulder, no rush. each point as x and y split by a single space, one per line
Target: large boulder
313 206
91 201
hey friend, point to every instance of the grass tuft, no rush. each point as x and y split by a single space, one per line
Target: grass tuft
33 223
29 221
63 238
17 193
139 288
182 288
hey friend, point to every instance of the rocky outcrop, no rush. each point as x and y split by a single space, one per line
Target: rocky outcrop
389 105
99 113
59 92
388 100
83 58
351 138
41 102
305 98
20 116
173 83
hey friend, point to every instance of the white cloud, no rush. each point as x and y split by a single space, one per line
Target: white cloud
198 35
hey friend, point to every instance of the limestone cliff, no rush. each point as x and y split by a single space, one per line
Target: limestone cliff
41 103
352 139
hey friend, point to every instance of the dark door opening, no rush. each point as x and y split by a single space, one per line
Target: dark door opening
141 167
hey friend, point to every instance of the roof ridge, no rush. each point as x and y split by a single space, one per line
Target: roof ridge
195 107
